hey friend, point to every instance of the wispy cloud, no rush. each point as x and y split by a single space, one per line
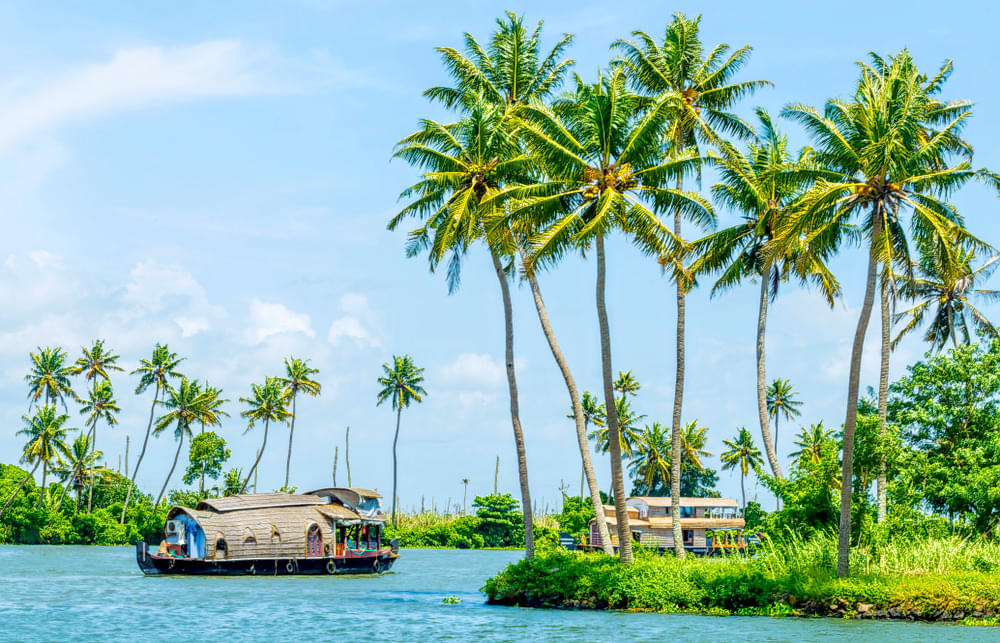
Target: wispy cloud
267 320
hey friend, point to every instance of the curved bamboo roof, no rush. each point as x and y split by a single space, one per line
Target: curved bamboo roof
259 501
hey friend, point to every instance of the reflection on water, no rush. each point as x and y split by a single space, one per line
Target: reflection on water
97 593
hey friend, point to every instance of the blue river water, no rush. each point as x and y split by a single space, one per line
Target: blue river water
98 594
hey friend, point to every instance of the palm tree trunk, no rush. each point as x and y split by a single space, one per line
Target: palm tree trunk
19 487
675 427
743 493
62 497
201 483
883 396
172 467
522 458
614 432
149 426
850 422
253 469
45 475
395 441
291 432
93 450
581 428
765 421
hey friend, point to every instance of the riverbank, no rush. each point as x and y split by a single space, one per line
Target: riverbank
959 582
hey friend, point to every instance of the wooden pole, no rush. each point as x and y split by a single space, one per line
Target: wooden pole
347 454
126 455
335 453
496 474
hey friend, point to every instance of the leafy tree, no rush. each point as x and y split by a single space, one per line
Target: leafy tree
48 379
402 383
185 406
268 403
499 520
232 482
742 453
212 415
157 371
888 150
206 456
99 405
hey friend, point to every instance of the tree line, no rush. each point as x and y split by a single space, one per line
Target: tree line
534 175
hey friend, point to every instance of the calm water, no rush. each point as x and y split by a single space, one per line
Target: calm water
97 593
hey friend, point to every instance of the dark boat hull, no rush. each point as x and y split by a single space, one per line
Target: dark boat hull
154 565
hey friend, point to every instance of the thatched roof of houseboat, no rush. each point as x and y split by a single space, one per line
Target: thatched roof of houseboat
259 501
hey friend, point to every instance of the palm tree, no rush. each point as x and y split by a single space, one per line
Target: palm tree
402 383
99 405
890 148
742 453
693 440
600 158
156 371
48 379
297 378
781 402
651 461
186 405
211 415
810 442
628 428
626 384
704 93
763 185
96 361
944 286
465 492
269 403
46 441
78 465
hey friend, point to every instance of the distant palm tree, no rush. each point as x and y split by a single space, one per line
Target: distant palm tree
96 361
211 415
156 371
944 286
626 384
810 442
269 403
465 492
781 402
48 379
628 425
186 405
693 440
99 405
651 462
46 441
297 379
593 411
742 453
401 384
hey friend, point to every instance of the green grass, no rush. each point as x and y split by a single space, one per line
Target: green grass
939 579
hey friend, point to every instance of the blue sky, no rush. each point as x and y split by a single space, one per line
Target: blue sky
219 179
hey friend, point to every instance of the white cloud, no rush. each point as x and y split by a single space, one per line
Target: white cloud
355 324
153 285
42 258
135 77
473 371
267 320
192 325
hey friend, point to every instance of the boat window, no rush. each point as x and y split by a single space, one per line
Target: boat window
314 541
275 535
221 548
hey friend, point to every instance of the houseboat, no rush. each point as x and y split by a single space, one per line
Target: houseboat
326 531
708 525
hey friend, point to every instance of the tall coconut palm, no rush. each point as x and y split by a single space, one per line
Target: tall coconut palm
628 428
742 453
298 379
781 403
402 383
944 287
99 405
705 92
810 442
186 405
893 147
157 371
600 156
626 384
650 464
48 379
268 403
46 435
762 185
96 361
